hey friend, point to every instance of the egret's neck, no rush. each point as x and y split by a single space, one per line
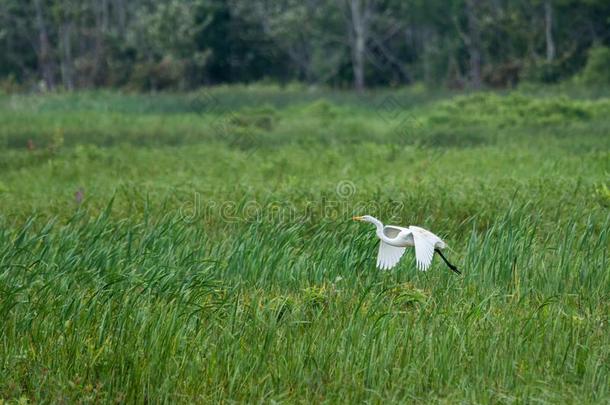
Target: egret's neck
379 227
377 224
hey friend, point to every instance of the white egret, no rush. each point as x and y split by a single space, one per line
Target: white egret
395 240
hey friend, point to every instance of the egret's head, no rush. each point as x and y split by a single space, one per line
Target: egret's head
365 218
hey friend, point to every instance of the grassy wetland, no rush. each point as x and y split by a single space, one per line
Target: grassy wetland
199 247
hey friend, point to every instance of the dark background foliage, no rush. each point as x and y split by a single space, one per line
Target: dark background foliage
184 44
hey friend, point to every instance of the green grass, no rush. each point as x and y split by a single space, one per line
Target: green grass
212 256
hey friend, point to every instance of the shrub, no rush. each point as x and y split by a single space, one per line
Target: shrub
596 71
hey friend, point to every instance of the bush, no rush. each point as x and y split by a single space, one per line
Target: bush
165 74
544 72
9 85
596 71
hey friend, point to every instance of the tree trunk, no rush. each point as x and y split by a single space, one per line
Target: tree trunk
121 16
100 11
358 33
105 16
45 62
66 58
474 43
358 64
548 25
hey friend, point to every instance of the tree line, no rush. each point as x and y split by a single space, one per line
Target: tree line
183 44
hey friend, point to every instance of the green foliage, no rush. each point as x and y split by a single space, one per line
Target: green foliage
602 193
596 70
159 256
514 110
262 117
146 45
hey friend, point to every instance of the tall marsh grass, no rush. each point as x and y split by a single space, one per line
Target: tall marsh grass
207 271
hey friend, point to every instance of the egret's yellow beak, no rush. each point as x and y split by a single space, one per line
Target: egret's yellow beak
357 218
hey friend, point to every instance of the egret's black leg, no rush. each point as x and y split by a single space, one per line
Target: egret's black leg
451 266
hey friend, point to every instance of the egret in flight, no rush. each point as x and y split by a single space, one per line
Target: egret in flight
395 239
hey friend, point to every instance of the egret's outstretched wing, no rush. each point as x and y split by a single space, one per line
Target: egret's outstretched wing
392 231
388 255
424 247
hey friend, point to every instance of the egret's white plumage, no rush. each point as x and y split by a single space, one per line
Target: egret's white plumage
388 255
395 239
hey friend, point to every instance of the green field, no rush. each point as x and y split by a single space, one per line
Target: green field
199 247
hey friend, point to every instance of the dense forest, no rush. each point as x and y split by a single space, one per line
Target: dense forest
183 44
